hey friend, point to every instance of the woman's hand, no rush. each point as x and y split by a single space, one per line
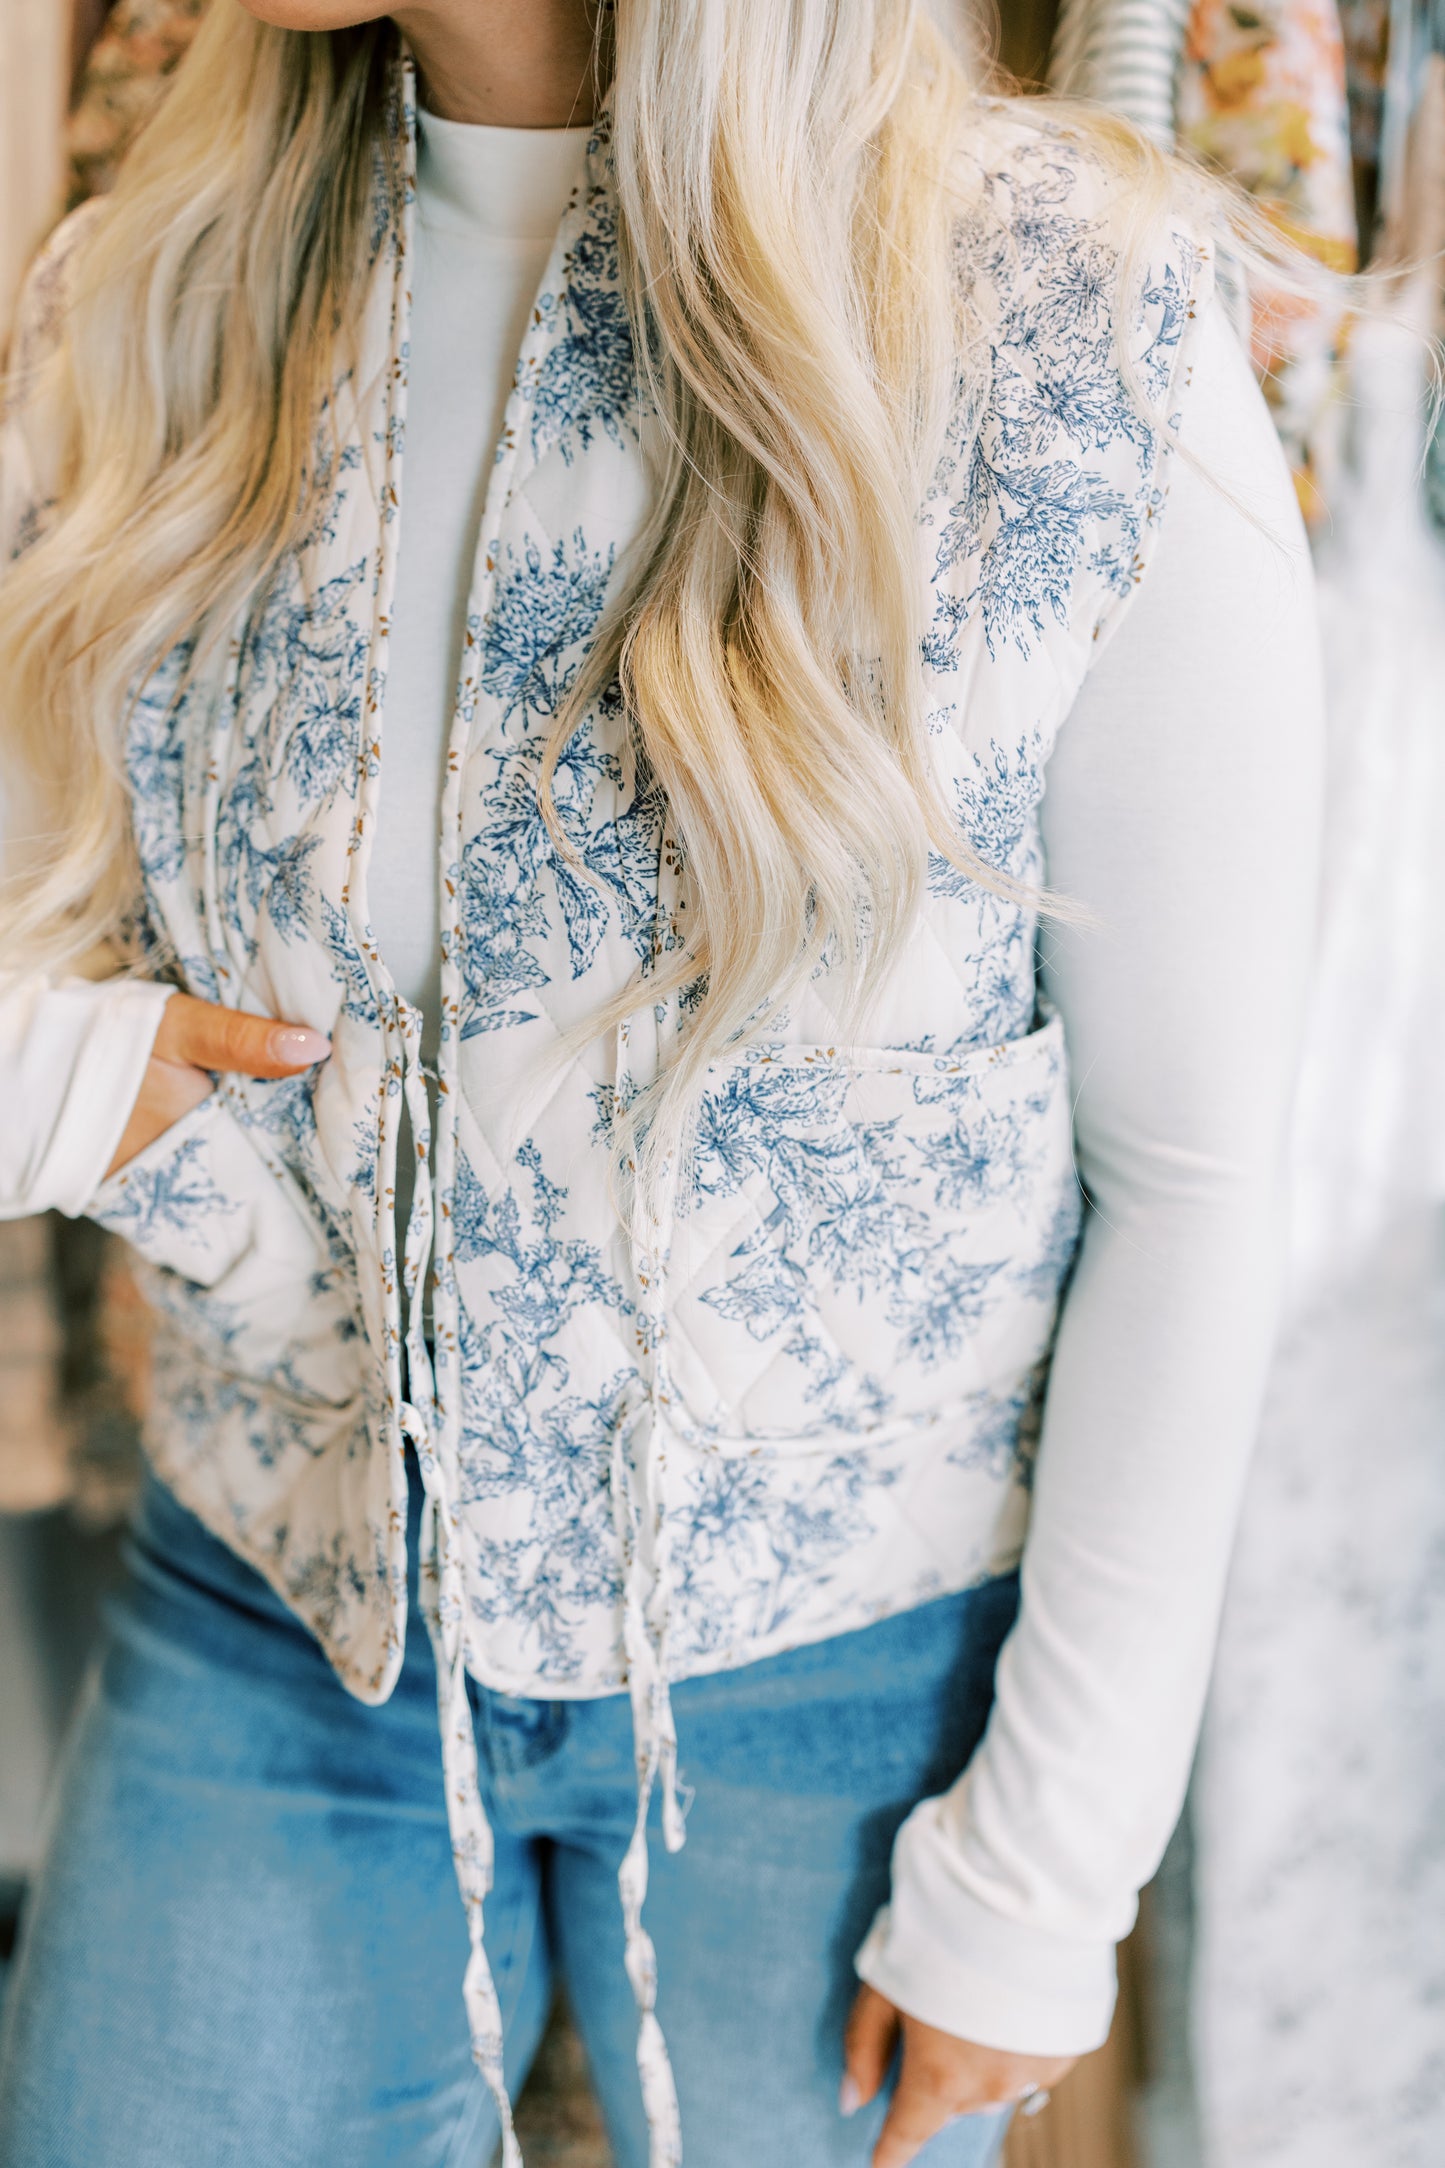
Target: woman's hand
941 2077
195 1038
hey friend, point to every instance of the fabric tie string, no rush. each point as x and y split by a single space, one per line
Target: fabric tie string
635 1474
469 1829
443 1604
655 1742
637 1507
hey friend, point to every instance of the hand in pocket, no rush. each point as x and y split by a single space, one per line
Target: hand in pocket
196 1040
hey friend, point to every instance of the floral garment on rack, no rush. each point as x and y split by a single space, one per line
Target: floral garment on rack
125 77
1262 97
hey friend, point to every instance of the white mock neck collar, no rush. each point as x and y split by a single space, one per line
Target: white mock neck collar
509 182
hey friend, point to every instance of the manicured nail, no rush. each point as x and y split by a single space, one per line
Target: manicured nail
850 2100
297 1047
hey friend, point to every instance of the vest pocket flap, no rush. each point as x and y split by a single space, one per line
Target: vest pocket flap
239 1268
200 1198
869 1241
188 1202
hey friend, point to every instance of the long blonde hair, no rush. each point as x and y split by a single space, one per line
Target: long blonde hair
787 175
180 413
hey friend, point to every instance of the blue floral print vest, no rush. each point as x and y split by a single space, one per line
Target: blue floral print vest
808 1399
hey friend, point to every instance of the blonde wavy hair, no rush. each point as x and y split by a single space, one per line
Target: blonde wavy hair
788 175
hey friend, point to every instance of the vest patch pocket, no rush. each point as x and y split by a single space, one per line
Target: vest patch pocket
868 1242
235 1265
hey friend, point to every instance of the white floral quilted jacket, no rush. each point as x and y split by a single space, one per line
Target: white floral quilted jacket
807 1401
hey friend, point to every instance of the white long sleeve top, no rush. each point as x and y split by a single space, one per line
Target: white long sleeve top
489 201
1182 815
1183 812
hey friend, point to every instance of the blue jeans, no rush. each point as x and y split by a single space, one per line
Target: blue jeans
246 1946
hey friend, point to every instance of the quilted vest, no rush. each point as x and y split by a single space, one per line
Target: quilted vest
806 1397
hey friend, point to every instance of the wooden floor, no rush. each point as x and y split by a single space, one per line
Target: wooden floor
557 2119
1085 2125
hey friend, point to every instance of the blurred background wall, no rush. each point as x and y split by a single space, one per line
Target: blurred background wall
34 79
1284 1998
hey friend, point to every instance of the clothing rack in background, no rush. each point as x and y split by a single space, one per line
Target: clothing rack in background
1306 1975
34 71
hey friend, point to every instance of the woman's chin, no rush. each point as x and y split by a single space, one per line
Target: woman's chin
313 14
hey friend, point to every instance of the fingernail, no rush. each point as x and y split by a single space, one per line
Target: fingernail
297 1047
850 2100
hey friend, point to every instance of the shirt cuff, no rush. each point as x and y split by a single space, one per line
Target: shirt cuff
939 1954
115 1035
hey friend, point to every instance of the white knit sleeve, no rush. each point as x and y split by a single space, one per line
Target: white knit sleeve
1183 812
72 1056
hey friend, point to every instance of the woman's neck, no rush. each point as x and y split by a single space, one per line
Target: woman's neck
505 63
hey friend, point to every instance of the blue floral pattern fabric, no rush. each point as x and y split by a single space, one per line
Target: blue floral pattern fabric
809 1399
868 1239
